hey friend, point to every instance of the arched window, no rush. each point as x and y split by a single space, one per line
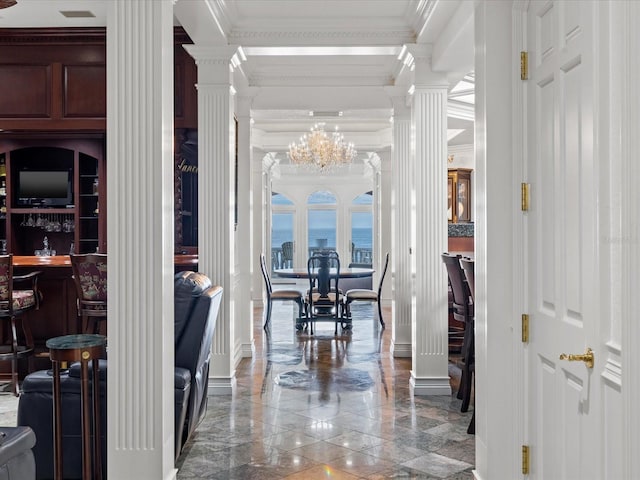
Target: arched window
321 221
362 228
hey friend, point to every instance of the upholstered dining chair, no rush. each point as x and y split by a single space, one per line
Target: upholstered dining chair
286 295
14 303
366 295
463 310
90 276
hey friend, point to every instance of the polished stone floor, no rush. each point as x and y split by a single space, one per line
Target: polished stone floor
328 407
324 407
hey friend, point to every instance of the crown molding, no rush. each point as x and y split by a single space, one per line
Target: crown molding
329 37
321 81
53 35
66 35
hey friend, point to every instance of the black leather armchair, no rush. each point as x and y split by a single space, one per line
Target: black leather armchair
197 303
16 457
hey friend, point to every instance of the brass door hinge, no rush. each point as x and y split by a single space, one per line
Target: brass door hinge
524 197
524 65
525 328
525 459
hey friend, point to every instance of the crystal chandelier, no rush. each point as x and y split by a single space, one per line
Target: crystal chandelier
320 150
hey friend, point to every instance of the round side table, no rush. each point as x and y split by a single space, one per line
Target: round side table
83 349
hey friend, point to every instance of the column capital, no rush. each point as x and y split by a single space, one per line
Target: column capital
204 54
401 107
373 161
270 162
244 99
419 57
216 63
418 51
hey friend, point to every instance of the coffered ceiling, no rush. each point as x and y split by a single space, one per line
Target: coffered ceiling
341 59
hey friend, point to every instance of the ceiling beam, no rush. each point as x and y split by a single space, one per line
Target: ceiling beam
201 19
454 50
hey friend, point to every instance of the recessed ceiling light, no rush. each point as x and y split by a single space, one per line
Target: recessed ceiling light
77 13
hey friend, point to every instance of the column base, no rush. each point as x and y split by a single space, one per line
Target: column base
401 350
430 386
221 385
172 474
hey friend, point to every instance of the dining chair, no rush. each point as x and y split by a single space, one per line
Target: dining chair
367 295
286 295
331 286
90 278
468 266
462 311
14 304
324 298
287 255
456 327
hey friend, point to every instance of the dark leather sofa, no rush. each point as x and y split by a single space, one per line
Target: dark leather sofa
197 304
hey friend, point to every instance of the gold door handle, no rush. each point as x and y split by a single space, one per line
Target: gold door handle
586 357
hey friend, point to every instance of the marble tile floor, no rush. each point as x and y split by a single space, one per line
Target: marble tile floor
323 407
328 407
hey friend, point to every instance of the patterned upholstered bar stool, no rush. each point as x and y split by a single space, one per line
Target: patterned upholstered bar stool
14 304
90 276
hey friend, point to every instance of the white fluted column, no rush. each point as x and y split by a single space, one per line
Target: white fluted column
402 171
216 158
140 404
266 168
627 43
429 375
244 229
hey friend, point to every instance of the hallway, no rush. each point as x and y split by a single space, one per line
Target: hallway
328 407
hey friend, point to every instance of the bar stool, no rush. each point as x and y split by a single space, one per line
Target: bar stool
84 349
90 277
14 304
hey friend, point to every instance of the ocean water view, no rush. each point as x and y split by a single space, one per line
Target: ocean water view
361 237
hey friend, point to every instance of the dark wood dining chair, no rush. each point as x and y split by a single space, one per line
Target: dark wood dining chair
468 266
366 295
90 277
14 304
285 295
462 311
324 298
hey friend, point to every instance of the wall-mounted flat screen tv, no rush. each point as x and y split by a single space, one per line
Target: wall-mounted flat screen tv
44 188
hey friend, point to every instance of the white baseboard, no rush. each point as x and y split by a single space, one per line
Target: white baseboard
401 350
221 386
247 349
430 386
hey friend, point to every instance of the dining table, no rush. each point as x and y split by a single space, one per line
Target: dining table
354 272
349 272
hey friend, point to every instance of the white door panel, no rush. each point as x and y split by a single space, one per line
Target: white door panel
563 288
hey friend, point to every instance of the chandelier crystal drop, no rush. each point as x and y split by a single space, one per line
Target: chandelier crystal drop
320 150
